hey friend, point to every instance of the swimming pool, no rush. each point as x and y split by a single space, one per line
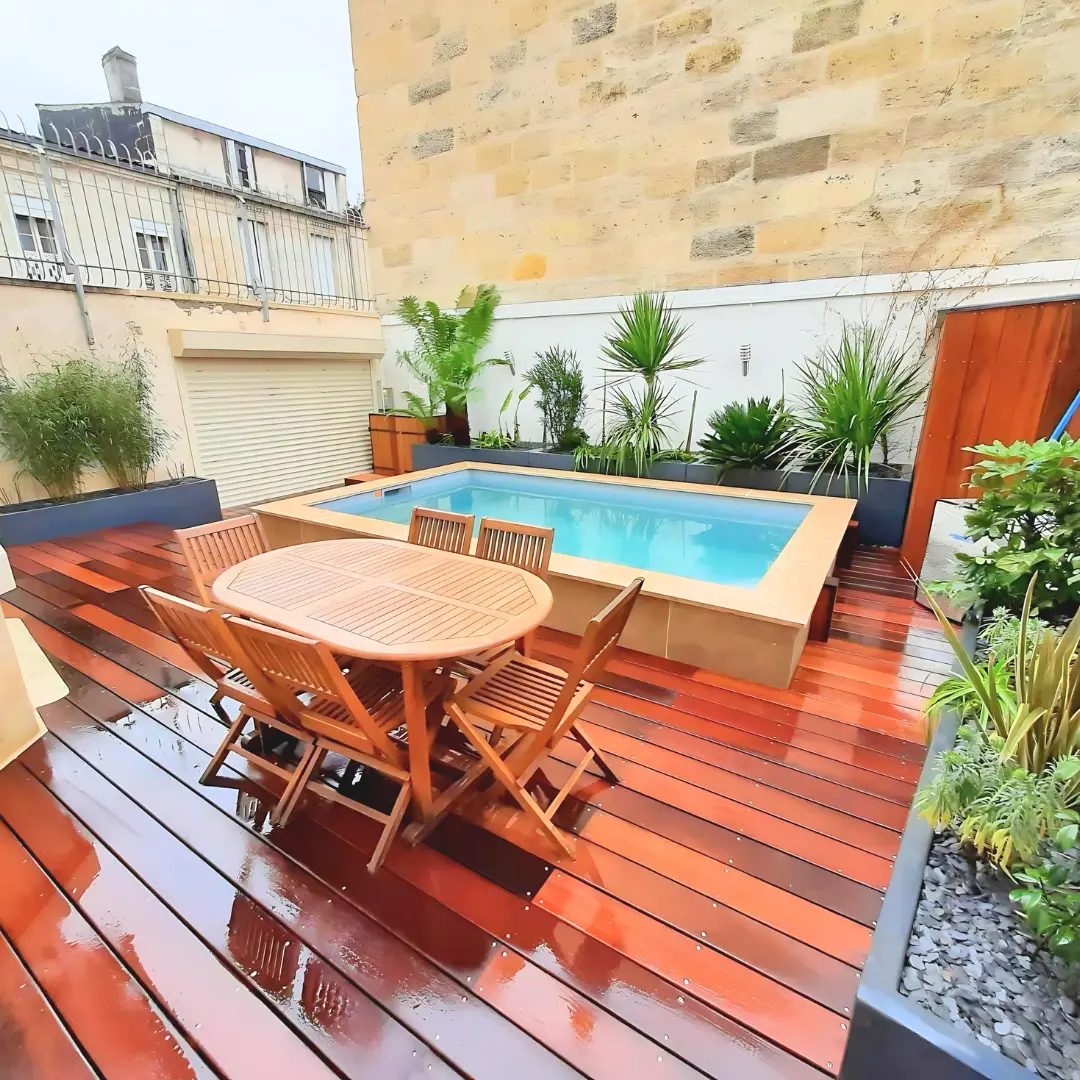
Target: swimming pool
732 576
727 540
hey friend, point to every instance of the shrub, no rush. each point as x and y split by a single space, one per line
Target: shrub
46 426
645 339
857 393
757 435
558 379
1030 509
127 435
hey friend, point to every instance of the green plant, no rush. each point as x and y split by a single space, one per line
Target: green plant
127 435
959 693
857 392
1039 720
639 434
645 338
45 425
755 435
1049 895
1000 634
558 379
513 397
493 440
1002 809
446 358
1030 510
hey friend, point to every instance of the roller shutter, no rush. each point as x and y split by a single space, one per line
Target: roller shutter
265 429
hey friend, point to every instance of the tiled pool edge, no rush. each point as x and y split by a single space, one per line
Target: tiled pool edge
752 633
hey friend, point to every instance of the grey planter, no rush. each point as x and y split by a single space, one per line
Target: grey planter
181 504
882 509
891 1037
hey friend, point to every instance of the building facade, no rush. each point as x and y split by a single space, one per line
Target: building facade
238 265
775 165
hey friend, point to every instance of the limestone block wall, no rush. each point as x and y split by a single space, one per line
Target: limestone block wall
562 148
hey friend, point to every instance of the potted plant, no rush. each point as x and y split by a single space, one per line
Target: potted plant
446 357
756 435
1002 789
558 379
76 412
642 348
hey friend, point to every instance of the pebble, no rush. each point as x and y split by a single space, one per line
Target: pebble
970 962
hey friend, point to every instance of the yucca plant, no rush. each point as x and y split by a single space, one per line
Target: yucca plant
756 435
639 435
646 339
446 357
856 394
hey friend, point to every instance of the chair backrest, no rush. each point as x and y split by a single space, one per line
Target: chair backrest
201 631
527 547
597 644
441 529
209 549
296 665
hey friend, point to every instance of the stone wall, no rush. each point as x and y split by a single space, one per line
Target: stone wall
563 149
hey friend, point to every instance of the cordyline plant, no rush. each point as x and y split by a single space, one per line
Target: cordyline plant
646 339
855 395
1015 767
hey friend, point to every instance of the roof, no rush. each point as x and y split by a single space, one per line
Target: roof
213 129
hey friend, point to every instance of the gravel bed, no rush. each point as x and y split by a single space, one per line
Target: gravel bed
970 961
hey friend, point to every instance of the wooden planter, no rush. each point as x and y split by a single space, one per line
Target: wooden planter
392 438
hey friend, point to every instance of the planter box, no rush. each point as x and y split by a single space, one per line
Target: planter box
892 1038
179 503
882 509
430 457
393 437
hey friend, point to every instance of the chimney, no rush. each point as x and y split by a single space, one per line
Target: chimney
121 75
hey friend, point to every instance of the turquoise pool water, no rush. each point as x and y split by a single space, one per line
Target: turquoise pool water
732 541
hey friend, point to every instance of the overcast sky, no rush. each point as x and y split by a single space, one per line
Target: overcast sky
277 69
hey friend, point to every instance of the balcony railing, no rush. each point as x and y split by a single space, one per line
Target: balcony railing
97 215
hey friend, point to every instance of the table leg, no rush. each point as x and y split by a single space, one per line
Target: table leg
416 723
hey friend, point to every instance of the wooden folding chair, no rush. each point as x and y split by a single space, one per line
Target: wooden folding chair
537 704
441 529
351 715
209 549
204 635
525 546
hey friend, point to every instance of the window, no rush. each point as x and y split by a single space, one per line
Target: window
239 163
41 259
256 252
152 245
322 265
314 186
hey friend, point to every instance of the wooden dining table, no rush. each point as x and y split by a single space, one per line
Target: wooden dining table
394 602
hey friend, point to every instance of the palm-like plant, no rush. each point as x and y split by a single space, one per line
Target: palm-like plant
446 358
640 432
857 393
646 336
756 435
558 378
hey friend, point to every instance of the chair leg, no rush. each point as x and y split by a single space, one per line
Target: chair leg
294 791
419 830
586 743
223 716
504 776
235 727
401 804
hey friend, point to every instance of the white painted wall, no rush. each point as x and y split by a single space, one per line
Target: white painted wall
782 322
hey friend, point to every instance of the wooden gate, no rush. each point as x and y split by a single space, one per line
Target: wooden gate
1003 373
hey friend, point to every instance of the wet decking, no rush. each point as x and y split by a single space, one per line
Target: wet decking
713 923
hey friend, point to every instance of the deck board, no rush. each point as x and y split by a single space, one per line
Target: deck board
713 923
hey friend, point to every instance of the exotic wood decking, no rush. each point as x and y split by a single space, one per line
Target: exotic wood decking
713 923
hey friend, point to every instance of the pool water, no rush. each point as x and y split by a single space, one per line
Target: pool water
718 538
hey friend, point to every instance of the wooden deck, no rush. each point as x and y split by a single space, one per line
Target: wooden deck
713 924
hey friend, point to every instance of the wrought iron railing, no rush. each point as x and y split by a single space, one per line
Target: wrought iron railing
91 214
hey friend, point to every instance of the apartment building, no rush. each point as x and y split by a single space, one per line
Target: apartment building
239 265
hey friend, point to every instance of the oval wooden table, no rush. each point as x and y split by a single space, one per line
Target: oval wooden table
390 601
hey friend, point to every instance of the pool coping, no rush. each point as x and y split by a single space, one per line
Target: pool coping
786 594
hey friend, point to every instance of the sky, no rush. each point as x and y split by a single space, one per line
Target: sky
280 70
